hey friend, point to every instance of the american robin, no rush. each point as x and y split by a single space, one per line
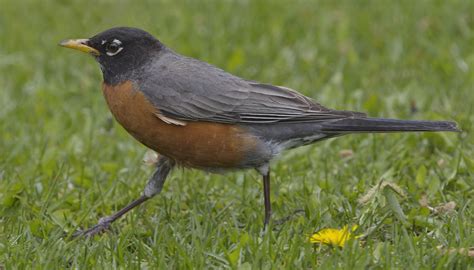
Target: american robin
197 115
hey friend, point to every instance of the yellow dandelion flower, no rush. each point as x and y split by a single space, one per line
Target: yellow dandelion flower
333 237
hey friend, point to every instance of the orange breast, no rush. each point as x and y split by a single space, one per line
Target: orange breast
197 144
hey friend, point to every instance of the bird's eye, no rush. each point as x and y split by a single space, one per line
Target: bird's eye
114 47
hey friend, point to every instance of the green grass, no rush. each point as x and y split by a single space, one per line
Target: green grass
64 162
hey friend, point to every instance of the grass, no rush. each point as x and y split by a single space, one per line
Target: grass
64 162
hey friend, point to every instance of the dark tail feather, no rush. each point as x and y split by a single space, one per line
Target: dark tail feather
351 125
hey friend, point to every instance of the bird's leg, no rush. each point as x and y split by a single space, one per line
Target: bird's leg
265 171
153 187
266 195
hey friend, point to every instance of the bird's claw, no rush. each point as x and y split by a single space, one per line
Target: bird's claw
100 228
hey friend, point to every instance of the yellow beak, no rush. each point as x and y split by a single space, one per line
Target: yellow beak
80 45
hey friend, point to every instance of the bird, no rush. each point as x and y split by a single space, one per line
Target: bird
196 115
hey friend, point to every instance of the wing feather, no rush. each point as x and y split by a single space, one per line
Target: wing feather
191 90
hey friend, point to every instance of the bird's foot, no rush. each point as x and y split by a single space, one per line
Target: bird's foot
295 213
101 227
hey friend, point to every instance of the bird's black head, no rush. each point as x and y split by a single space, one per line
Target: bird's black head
120 51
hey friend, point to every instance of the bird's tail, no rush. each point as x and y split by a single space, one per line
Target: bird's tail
353 125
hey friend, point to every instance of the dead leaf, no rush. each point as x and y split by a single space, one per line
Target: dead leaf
346 153
423 201
463 251
445 208
441 163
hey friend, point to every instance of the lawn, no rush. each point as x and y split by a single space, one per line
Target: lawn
64 161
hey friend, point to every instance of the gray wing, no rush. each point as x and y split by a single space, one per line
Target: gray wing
190 90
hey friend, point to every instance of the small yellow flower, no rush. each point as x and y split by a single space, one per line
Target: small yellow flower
333 237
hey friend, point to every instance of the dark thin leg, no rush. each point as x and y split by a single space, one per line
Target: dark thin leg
154 186
104 223
266 198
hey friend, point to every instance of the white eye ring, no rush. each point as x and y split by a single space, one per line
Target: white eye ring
116 43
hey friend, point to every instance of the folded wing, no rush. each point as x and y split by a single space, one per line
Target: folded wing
191 90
